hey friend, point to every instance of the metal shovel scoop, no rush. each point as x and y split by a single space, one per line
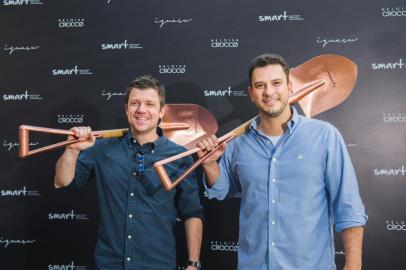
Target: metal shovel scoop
319 84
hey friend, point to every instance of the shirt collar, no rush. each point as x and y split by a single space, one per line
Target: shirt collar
149 147
292 123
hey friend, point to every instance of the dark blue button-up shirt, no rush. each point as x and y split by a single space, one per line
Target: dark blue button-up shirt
137 217
292 194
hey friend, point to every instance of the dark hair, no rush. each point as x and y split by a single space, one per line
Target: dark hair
147 82
266 59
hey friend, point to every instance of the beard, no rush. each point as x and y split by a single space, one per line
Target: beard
272 113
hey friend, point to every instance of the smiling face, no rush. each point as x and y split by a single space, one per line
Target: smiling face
270 90
143 111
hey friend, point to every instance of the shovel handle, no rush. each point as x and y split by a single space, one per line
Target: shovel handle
166 182
24 138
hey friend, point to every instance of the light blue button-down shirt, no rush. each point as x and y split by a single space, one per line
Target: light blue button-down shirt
292 195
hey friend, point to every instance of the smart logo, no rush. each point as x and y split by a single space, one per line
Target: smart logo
280 17
21 2
71 72
121 46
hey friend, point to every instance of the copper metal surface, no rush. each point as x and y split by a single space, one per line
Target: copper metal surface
319 84
338 73
184 124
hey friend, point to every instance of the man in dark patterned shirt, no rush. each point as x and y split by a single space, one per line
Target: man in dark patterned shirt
137 217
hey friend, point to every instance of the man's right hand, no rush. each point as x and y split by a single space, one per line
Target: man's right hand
85 136
207 145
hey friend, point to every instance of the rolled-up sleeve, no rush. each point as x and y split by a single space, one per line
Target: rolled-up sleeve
226 184
84 170
342 185
187 197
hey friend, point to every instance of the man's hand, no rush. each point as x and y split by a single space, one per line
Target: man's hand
208 144
85 136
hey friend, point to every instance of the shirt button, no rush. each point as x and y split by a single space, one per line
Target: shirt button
274 159
130 216
274 180
273 201
269 142
128 259
273 222
152 151
129 236
273 244
132 194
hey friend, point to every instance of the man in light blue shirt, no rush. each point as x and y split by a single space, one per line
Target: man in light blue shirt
295 179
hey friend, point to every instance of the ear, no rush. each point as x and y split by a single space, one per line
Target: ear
249 91
290 88
162 112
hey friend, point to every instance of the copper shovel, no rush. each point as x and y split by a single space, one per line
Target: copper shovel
184 124
333 77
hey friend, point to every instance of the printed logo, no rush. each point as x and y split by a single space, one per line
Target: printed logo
172 69
223 246
280 17
70 118
8 242
393 12
8 146
21 97
12 49
390 65
71 23
349 145
326 41
70 266
390 172
224 93
163 22
391 118
108 95
121 46
396 225
71 71
21 2
67 216
224 43
23 192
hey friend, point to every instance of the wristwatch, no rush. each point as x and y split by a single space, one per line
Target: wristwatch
196 264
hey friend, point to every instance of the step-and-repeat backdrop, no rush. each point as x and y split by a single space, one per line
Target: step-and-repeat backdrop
67 62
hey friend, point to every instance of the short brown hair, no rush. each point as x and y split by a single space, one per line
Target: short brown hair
266 59
146 81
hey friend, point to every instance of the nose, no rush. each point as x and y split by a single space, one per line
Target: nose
268 90
141 107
